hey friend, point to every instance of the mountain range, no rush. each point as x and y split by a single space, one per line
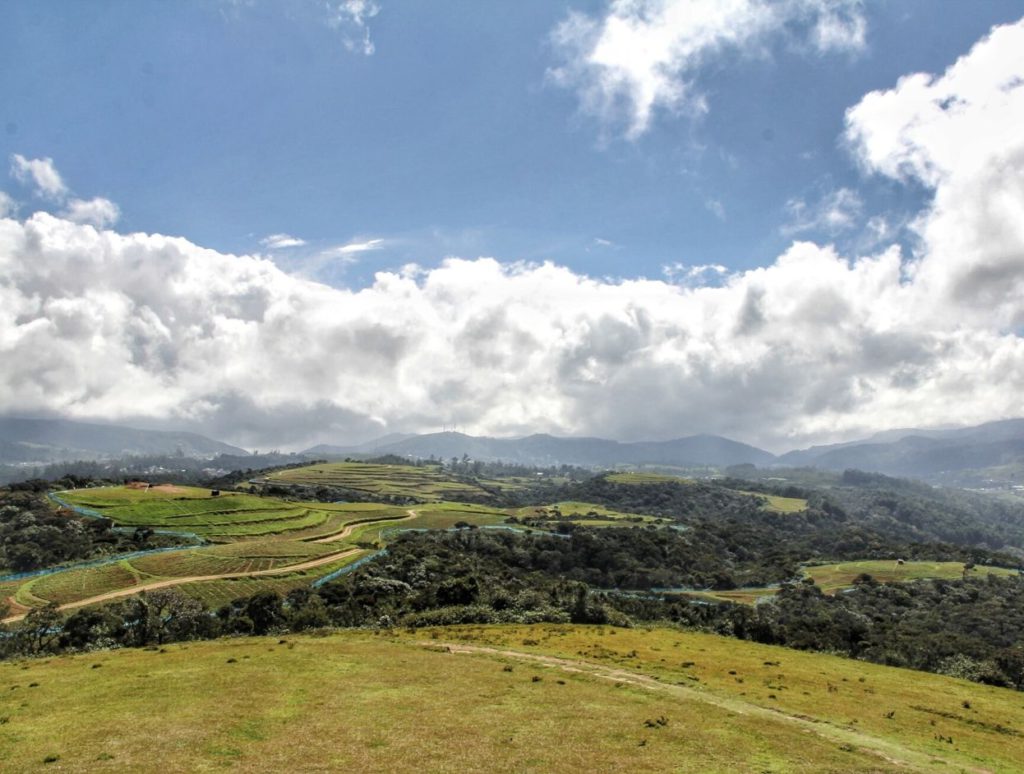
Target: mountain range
55 440
954 455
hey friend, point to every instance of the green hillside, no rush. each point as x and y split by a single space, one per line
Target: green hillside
540 698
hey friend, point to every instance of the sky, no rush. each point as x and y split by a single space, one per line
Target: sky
286 223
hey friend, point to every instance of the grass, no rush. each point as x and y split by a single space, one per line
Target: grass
226 517
70 586
584 514
422 483
631 700
637 477
835 577
832 578
779 504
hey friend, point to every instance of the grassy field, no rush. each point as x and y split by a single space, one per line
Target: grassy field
422 483
779 504
834 577
774 503
584 514
637 477
526 699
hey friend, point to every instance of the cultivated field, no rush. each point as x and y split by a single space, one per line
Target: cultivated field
538 698
421 483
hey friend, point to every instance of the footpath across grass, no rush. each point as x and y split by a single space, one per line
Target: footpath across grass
474 699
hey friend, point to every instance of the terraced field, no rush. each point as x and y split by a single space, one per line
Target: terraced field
268 541
421 483
225 517
474 699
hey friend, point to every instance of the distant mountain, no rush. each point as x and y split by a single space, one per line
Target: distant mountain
54 440
922 453
544 449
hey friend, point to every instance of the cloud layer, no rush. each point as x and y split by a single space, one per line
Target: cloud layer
814 347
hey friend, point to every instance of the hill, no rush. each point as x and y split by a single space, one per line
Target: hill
544 450
526 698
967 455
51 440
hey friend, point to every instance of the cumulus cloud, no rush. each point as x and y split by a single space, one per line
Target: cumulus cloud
816 346
40 174
97 211
641 56
960 135
281 241
7 205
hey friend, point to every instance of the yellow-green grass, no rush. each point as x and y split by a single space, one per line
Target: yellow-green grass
779 504
584 514
638 477
219 592
226 517
250 556
73 585
560 699
835 577
446 515
424 483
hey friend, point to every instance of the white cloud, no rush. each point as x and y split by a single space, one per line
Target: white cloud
98 324
97 211
700 275
352 20
7 205
354 248
960 135
641 56
41 174
816 346
281 241
837 211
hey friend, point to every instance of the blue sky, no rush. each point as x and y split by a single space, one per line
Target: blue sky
320 221
225 122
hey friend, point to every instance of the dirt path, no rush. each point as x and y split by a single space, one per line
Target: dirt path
349 528
163 584
891 752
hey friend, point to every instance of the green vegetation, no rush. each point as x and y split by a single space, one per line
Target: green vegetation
835 577
195 510
780 504
488 698
638 478
425 483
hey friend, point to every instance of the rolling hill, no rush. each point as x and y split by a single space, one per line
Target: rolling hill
514 698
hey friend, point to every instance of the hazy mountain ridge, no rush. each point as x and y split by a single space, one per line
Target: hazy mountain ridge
928 453
543 449
53 440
